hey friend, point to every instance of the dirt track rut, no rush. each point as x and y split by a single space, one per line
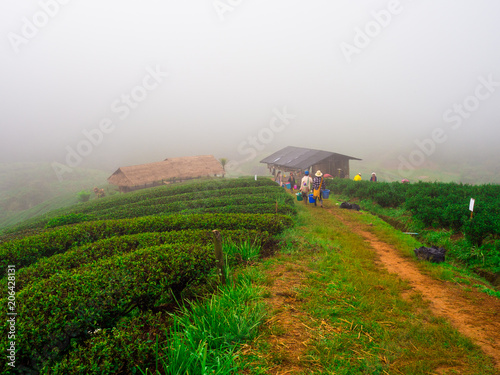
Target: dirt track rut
474 314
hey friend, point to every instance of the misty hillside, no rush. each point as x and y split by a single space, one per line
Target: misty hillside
30 189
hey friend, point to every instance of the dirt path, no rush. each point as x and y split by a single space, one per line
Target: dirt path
474 314
291 333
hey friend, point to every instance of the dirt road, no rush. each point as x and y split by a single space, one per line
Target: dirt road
474 314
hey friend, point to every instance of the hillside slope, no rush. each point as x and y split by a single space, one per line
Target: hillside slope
30 189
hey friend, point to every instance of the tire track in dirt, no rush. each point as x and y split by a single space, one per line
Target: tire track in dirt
474 314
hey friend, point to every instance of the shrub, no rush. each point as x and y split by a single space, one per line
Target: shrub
108 247
67 219
117 350
70 305
185 191
83 196
26 251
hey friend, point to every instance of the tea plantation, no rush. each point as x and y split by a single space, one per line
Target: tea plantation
91 287
440 213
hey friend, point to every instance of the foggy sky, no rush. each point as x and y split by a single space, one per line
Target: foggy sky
237 78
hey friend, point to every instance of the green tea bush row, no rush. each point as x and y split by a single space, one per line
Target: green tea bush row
220 323
70 305
26 251
67 219
266 208
108 247
439 205
168 203
147 210
118 350
143 195
442 205
385 194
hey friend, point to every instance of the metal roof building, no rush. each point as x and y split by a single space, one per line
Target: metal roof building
298 159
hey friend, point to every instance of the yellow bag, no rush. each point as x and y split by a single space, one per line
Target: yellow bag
316 193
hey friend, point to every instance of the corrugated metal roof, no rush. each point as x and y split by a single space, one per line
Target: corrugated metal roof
300 158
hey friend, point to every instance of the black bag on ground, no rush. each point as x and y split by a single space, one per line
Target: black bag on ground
349 206
432 254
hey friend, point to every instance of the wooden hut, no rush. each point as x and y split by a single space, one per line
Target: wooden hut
298 159
165 172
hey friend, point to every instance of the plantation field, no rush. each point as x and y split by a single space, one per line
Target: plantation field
439 212
130 284
92 284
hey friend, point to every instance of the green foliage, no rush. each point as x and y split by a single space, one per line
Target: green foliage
86 288
83 196
242 251
439 206
69 305
26 251
160 195
67 219
204 336
118 350
109 247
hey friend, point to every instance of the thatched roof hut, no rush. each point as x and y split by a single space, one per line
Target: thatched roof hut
167 171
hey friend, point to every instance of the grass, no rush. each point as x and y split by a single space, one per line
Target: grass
206 334
362 319
243 252
361 322
453 270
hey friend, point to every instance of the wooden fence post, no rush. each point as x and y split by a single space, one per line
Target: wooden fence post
219 255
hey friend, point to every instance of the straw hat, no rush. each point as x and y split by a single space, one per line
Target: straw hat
318 174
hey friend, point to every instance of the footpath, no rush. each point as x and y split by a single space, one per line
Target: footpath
348 297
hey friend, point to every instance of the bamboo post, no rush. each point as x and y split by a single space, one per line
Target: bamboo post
219 255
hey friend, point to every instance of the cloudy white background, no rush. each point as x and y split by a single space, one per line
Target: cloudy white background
230 67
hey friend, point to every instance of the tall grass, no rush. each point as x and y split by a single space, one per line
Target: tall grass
205 334
242 252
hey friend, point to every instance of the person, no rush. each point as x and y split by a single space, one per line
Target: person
357 177
291 181
341 173
278 178
373 178
305 186
318 186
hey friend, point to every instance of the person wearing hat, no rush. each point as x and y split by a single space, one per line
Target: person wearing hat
373 178
357 177
305 186
318 186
